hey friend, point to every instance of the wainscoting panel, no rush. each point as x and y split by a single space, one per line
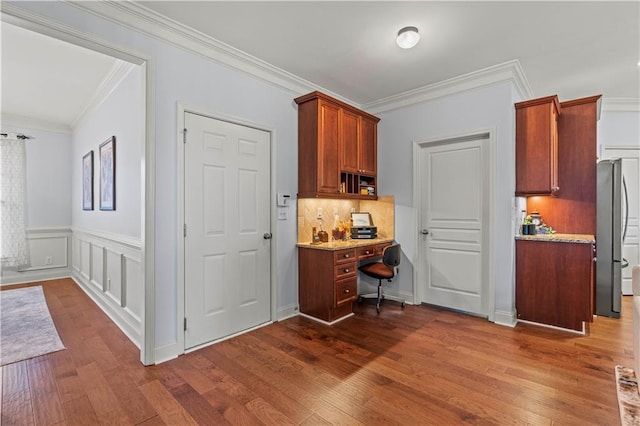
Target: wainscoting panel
110 272
50 251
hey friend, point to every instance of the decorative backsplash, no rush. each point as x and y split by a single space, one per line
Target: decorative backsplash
382 214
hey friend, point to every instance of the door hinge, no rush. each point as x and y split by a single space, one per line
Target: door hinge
184 135
184 230
185 323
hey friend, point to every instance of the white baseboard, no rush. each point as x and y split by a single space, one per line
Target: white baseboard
287 312
13 277
505 318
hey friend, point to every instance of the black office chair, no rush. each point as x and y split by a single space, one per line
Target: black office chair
384 270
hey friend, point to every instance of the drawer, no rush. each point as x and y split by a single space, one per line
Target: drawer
344 270
342 256
380 248
367 252
346 291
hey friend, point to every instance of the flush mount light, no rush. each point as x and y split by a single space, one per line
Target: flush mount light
408 37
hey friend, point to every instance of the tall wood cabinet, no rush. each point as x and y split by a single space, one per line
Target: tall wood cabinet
537 146
337 149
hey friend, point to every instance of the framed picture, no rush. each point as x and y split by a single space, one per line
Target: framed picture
87 181
108 174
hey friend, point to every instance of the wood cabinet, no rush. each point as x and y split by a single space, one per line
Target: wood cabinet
537 146
554 282
337 149
328 279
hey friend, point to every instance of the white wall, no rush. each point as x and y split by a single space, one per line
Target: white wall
195 80
119 115
480 109
48 177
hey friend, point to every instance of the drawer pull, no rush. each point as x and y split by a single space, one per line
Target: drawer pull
347 291
346 256
367 252
346 270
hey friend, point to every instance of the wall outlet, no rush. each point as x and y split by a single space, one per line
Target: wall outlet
282 213
319 213
48 260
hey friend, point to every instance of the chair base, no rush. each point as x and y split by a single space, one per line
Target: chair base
380 296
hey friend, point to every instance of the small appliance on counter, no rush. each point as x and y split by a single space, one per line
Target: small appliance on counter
362 227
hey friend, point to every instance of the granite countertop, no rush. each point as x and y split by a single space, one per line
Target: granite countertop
562 238
340 245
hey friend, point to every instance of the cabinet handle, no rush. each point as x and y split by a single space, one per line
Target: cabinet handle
346 256
347 291
346 270
366 252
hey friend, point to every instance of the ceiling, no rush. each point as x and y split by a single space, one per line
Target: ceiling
572 49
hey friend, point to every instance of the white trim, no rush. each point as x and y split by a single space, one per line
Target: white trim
182 108
26 19
21 121
43 272
505 318
553 327
287 312
488 246
326 322
140 18
231 336
621 104
133 243
510 71
114 77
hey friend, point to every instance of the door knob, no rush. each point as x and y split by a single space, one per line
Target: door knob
267 236
424 231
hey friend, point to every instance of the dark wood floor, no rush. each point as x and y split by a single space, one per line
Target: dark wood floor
419 365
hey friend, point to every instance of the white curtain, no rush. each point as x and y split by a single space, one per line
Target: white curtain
14 251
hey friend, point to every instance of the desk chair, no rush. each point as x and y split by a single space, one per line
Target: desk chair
384 270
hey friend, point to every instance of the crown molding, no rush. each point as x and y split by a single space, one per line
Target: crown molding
115 76
24 122
149 22
510 71
621 105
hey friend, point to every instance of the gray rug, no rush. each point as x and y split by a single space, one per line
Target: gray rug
26 327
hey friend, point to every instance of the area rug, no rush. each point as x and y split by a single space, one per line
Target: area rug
26 327
628 397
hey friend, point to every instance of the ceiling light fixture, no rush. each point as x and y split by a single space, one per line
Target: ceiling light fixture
408 37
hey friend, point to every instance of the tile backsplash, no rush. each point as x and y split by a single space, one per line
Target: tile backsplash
382 214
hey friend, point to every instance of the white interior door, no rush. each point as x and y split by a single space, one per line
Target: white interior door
227 216
631 172
453 222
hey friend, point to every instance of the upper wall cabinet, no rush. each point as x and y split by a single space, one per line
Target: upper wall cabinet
337 149
537 146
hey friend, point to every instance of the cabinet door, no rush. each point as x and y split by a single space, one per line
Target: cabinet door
537 147
349 141
328 150
368 149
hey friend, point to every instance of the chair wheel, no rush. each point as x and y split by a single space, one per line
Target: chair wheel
378 308
360 299
402 304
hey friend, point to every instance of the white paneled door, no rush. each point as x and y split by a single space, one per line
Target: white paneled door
227 216
453 224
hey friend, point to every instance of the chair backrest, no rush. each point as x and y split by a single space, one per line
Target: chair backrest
391 255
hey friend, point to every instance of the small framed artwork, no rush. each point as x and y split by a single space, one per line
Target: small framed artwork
87 181
108 174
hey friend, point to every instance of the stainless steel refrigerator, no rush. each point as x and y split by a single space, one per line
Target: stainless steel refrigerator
610 230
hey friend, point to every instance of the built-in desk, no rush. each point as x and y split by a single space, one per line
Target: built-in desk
328 276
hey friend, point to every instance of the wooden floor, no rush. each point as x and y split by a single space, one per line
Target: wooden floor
419 365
